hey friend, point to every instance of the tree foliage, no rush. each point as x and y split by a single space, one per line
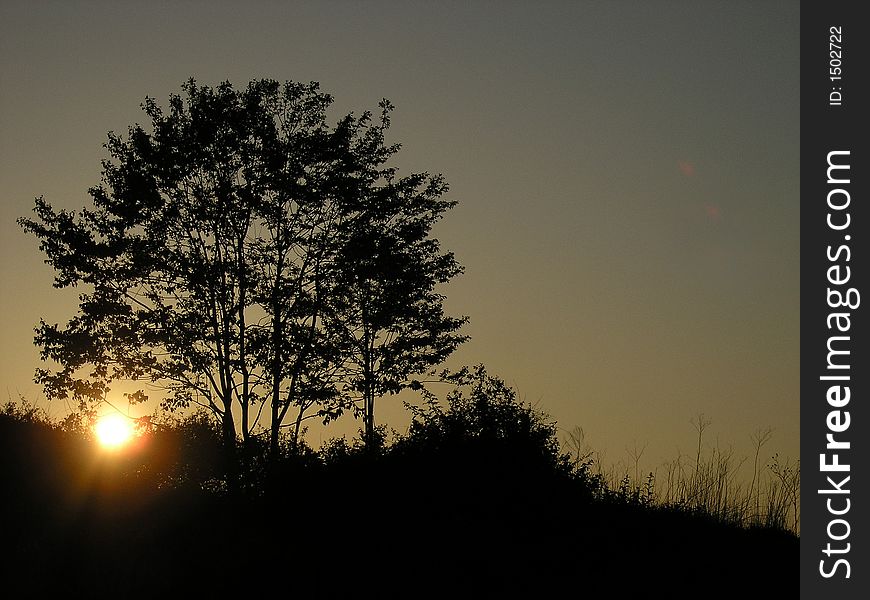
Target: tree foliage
244 256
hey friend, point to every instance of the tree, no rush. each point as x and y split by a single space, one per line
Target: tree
387 312
224 257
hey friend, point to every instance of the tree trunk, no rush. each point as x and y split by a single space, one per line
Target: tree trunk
368 387
231 459
297 429
274 432
370 417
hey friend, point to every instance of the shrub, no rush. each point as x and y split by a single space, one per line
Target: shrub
483 430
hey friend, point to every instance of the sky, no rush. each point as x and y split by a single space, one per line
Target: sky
627 176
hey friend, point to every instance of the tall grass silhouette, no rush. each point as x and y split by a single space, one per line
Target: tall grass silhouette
710 483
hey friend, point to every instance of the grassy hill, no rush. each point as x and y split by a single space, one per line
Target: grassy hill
477 501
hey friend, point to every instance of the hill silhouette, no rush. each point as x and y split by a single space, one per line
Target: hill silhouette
476 501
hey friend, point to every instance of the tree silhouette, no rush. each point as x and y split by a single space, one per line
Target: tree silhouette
235 254
387 311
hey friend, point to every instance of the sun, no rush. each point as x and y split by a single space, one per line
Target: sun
113 431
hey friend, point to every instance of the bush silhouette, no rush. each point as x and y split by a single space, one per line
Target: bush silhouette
484 431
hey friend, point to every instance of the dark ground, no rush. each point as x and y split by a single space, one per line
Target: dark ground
482 522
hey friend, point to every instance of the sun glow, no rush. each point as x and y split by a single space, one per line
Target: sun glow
113 431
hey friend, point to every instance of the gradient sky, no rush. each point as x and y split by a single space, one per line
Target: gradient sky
627 174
